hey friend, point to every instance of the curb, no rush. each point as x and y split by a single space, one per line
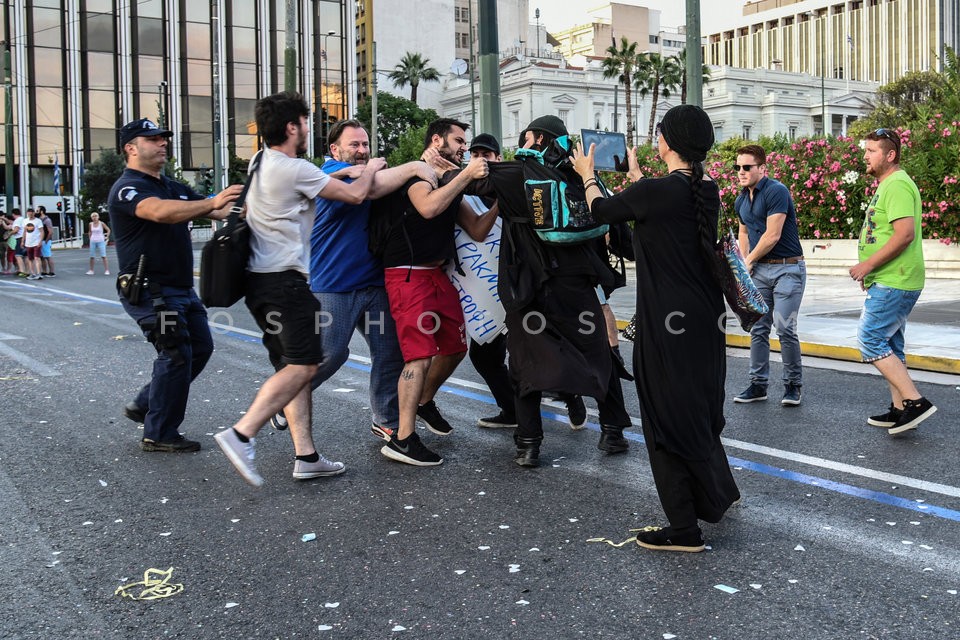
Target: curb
936 364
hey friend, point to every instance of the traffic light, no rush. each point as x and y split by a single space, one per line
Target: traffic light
66 205
59 206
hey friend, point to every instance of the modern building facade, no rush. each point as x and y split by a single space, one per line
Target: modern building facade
607 23
869 40
82 68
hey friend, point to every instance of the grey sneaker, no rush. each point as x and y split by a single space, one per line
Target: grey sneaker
319 469
240 454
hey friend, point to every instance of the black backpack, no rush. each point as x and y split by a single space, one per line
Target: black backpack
558 208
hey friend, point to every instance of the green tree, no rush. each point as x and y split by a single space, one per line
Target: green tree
621 63
409 146
681 59
412 70
98 177
906 100
658 76
394 116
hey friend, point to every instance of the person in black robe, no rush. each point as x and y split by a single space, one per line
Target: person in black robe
556 332
679 354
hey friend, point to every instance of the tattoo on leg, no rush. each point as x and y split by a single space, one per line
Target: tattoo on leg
407 374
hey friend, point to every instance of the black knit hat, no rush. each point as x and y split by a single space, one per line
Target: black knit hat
687 130
549 124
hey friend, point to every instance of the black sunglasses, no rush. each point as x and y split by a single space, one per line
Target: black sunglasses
745 167
889 134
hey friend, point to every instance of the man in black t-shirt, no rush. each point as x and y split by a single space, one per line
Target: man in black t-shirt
423 302
149 214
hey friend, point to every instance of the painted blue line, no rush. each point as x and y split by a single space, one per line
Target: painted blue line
793 476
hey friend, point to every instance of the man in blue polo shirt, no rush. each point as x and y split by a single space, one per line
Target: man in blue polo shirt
771 248
348 280
149 213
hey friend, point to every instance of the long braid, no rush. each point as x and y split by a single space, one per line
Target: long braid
707 233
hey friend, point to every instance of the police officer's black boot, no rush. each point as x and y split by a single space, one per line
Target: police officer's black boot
612 440
528 451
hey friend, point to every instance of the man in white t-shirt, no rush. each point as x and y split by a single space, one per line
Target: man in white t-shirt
32 239
280 213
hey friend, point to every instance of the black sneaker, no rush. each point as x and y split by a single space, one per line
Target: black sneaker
410 451
914 412
382 432
50 275
134 412
791 396
180 445
886 420
279 421
499 421
753 393
666 540
577 413
432 418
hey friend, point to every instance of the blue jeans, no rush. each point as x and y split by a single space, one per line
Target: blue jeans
781 286
367 311
883 320
164 398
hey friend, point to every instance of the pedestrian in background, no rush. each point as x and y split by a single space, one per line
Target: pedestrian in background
770 243
679 353
151 215
46 246
99 234
891 271
32 238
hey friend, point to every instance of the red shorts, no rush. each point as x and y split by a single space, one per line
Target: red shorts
427 312
33 252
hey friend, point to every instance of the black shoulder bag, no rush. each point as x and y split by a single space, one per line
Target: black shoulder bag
223 260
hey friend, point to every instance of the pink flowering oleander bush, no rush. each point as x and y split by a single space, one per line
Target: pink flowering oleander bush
829 184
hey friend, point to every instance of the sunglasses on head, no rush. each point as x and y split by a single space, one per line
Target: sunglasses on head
745 167
889 134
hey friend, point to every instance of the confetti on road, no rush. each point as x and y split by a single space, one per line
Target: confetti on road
616 545
514 568
504 526
792 581
523 602
398 628
926 546
156 584
905 542
459 572
307 537
331 605
668 636
86 524
725 588
483 547
799 547
343 390
574 520
892 524
324 627
231 605
534 549
482 493
235 520
952 592
166 533
755 585
392 533
408 507
164 500
102 483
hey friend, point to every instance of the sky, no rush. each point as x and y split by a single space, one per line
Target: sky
562 14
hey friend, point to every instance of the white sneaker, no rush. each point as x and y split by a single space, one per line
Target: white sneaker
107 272
240 454
319 469
90 273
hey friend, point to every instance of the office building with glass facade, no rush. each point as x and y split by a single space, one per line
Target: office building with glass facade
82 68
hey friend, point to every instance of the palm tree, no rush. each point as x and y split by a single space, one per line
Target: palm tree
621 63
413 69
656 75
682 61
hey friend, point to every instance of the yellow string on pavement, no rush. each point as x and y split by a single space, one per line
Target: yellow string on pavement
619 545
155 585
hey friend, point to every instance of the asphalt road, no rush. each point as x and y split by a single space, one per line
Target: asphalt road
843 532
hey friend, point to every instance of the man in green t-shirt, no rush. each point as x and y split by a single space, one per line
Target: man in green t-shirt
891 272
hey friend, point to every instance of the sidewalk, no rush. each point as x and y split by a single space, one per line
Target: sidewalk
830 313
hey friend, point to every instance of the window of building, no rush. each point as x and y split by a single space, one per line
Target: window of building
243 13
564 115
150 36
46 28
98 34
654 39
744 90
746 132
711 92
515 121
793 132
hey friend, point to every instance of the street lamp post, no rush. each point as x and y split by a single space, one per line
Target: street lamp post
823 90
325 56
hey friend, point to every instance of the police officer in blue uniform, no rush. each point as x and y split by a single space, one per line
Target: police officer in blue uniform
150 214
